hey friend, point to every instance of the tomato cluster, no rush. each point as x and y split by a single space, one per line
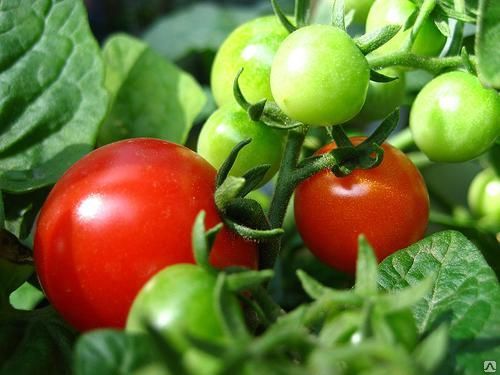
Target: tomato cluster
120 219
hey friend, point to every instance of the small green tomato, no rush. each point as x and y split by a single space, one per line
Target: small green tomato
484 195
251 46
454 118
429 40
228 126
319 76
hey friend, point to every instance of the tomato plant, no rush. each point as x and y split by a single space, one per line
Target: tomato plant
311 81
116 218
97 237
454 118
252 47
331 212
429 40
230 125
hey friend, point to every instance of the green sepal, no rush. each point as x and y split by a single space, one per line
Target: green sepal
282 17
371 41
379 77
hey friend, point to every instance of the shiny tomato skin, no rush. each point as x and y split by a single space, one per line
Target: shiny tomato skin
118 216
389 204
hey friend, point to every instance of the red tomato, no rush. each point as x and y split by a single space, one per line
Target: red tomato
389 204
118 216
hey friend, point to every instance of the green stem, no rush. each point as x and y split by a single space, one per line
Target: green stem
402 140
458 31
419 159
407 59
285 185
426 9
448 220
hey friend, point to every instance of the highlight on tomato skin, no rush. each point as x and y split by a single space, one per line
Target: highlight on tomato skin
118 216
389 204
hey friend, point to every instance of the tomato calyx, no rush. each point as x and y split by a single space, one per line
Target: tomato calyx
243 215
264 110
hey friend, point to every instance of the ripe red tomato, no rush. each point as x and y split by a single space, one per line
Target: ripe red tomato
389 204
117 217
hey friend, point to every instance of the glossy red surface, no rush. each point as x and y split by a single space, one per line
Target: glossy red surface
389 204
118 216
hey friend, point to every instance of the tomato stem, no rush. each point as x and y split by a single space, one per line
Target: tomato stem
408 59
402 140
424 12
285 185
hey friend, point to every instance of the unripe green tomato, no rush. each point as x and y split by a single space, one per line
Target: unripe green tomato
454 118
319 76
382 98
429 40
484 195
230 125
360 7
251 46
177 301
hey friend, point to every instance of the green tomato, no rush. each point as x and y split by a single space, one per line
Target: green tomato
176 301
382 98
484 195
228 126
429 40
251 46
454 118
360 8
319 76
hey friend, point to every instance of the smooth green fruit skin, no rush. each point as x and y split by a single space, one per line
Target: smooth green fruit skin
319 76
382 98
484 195
454 118
176 301
360 8
230 125
429 40
251 46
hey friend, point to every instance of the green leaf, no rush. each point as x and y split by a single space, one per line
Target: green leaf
366 269
26 297
487 43
432 350
52 98
465 291
35 342
151 97
247 279
114 352
202 243
228 312
196 28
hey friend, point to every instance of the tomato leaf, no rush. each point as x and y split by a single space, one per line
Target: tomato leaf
432 350
229 317
247 279
53 98
169 108
465 290
487 46
34 342
366 269
110 352
198 28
